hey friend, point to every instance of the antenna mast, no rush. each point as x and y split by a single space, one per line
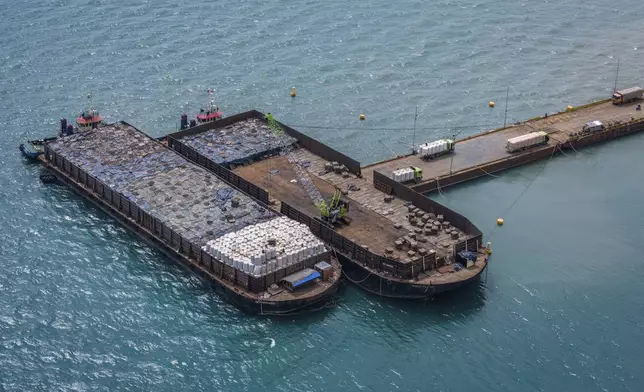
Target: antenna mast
616 75
413 143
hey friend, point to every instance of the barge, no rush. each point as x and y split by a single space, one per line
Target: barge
402 246
258 259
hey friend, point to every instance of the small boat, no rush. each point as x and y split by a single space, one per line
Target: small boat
208 114
211 112
88 119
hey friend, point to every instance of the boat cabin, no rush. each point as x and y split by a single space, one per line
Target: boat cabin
210 113
89 119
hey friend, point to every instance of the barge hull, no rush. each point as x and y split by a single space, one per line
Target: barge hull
258 306
375 283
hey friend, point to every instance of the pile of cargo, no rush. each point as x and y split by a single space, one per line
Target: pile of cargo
436 148
403 175
526 141
266 247
187 198
239 142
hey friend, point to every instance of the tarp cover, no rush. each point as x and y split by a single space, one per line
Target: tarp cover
313 275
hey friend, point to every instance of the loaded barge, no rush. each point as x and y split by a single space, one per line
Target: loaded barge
403 246
260 260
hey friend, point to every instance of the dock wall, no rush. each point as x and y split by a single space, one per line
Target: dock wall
611 132
305 141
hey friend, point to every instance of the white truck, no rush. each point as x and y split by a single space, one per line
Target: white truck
434 149
407 174
625 96
522 142
592 126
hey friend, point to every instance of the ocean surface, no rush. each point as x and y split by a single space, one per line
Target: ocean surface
85 306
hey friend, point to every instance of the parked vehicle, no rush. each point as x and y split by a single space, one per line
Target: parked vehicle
436 148
592 126
408 174
523 142
628 95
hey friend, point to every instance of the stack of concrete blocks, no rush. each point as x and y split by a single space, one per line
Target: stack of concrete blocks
266 247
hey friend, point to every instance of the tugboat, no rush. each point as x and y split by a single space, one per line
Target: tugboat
208 114
88 119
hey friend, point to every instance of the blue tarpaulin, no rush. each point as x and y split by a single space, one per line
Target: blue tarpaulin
308 278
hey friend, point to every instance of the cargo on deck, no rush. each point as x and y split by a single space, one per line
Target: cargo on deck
194 217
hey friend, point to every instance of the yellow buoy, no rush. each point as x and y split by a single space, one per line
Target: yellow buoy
570 108
488 249
362 117
491 104
293 92
499 221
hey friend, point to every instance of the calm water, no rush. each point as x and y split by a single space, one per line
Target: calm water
85 306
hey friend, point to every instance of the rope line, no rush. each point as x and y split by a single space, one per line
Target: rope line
438 186
345 274
390 129
525 189
558 146
489 174
573 147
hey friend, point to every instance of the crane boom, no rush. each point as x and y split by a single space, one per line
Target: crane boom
293 159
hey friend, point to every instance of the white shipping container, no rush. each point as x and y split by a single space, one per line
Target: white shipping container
525 141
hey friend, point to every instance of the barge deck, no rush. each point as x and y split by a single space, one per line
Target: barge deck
181 209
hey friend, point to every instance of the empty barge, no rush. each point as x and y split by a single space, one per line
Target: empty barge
260 260
403 246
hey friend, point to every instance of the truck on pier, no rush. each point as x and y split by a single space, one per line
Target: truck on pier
628 95
523 142
407 174
436 148
593 126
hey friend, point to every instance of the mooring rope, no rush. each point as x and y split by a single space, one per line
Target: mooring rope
438 187
347 276
526 188
489 174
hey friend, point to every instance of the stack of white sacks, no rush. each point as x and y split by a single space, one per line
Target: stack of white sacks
404 174
249 250
433 148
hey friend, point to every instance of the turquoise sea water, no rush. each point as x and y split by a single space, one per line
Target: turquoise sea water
85 306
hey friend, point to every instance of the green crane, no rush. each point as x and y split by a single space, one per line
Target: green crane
331 211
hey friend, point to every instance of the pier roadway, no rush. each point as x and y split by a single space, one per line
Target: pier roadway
478 151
